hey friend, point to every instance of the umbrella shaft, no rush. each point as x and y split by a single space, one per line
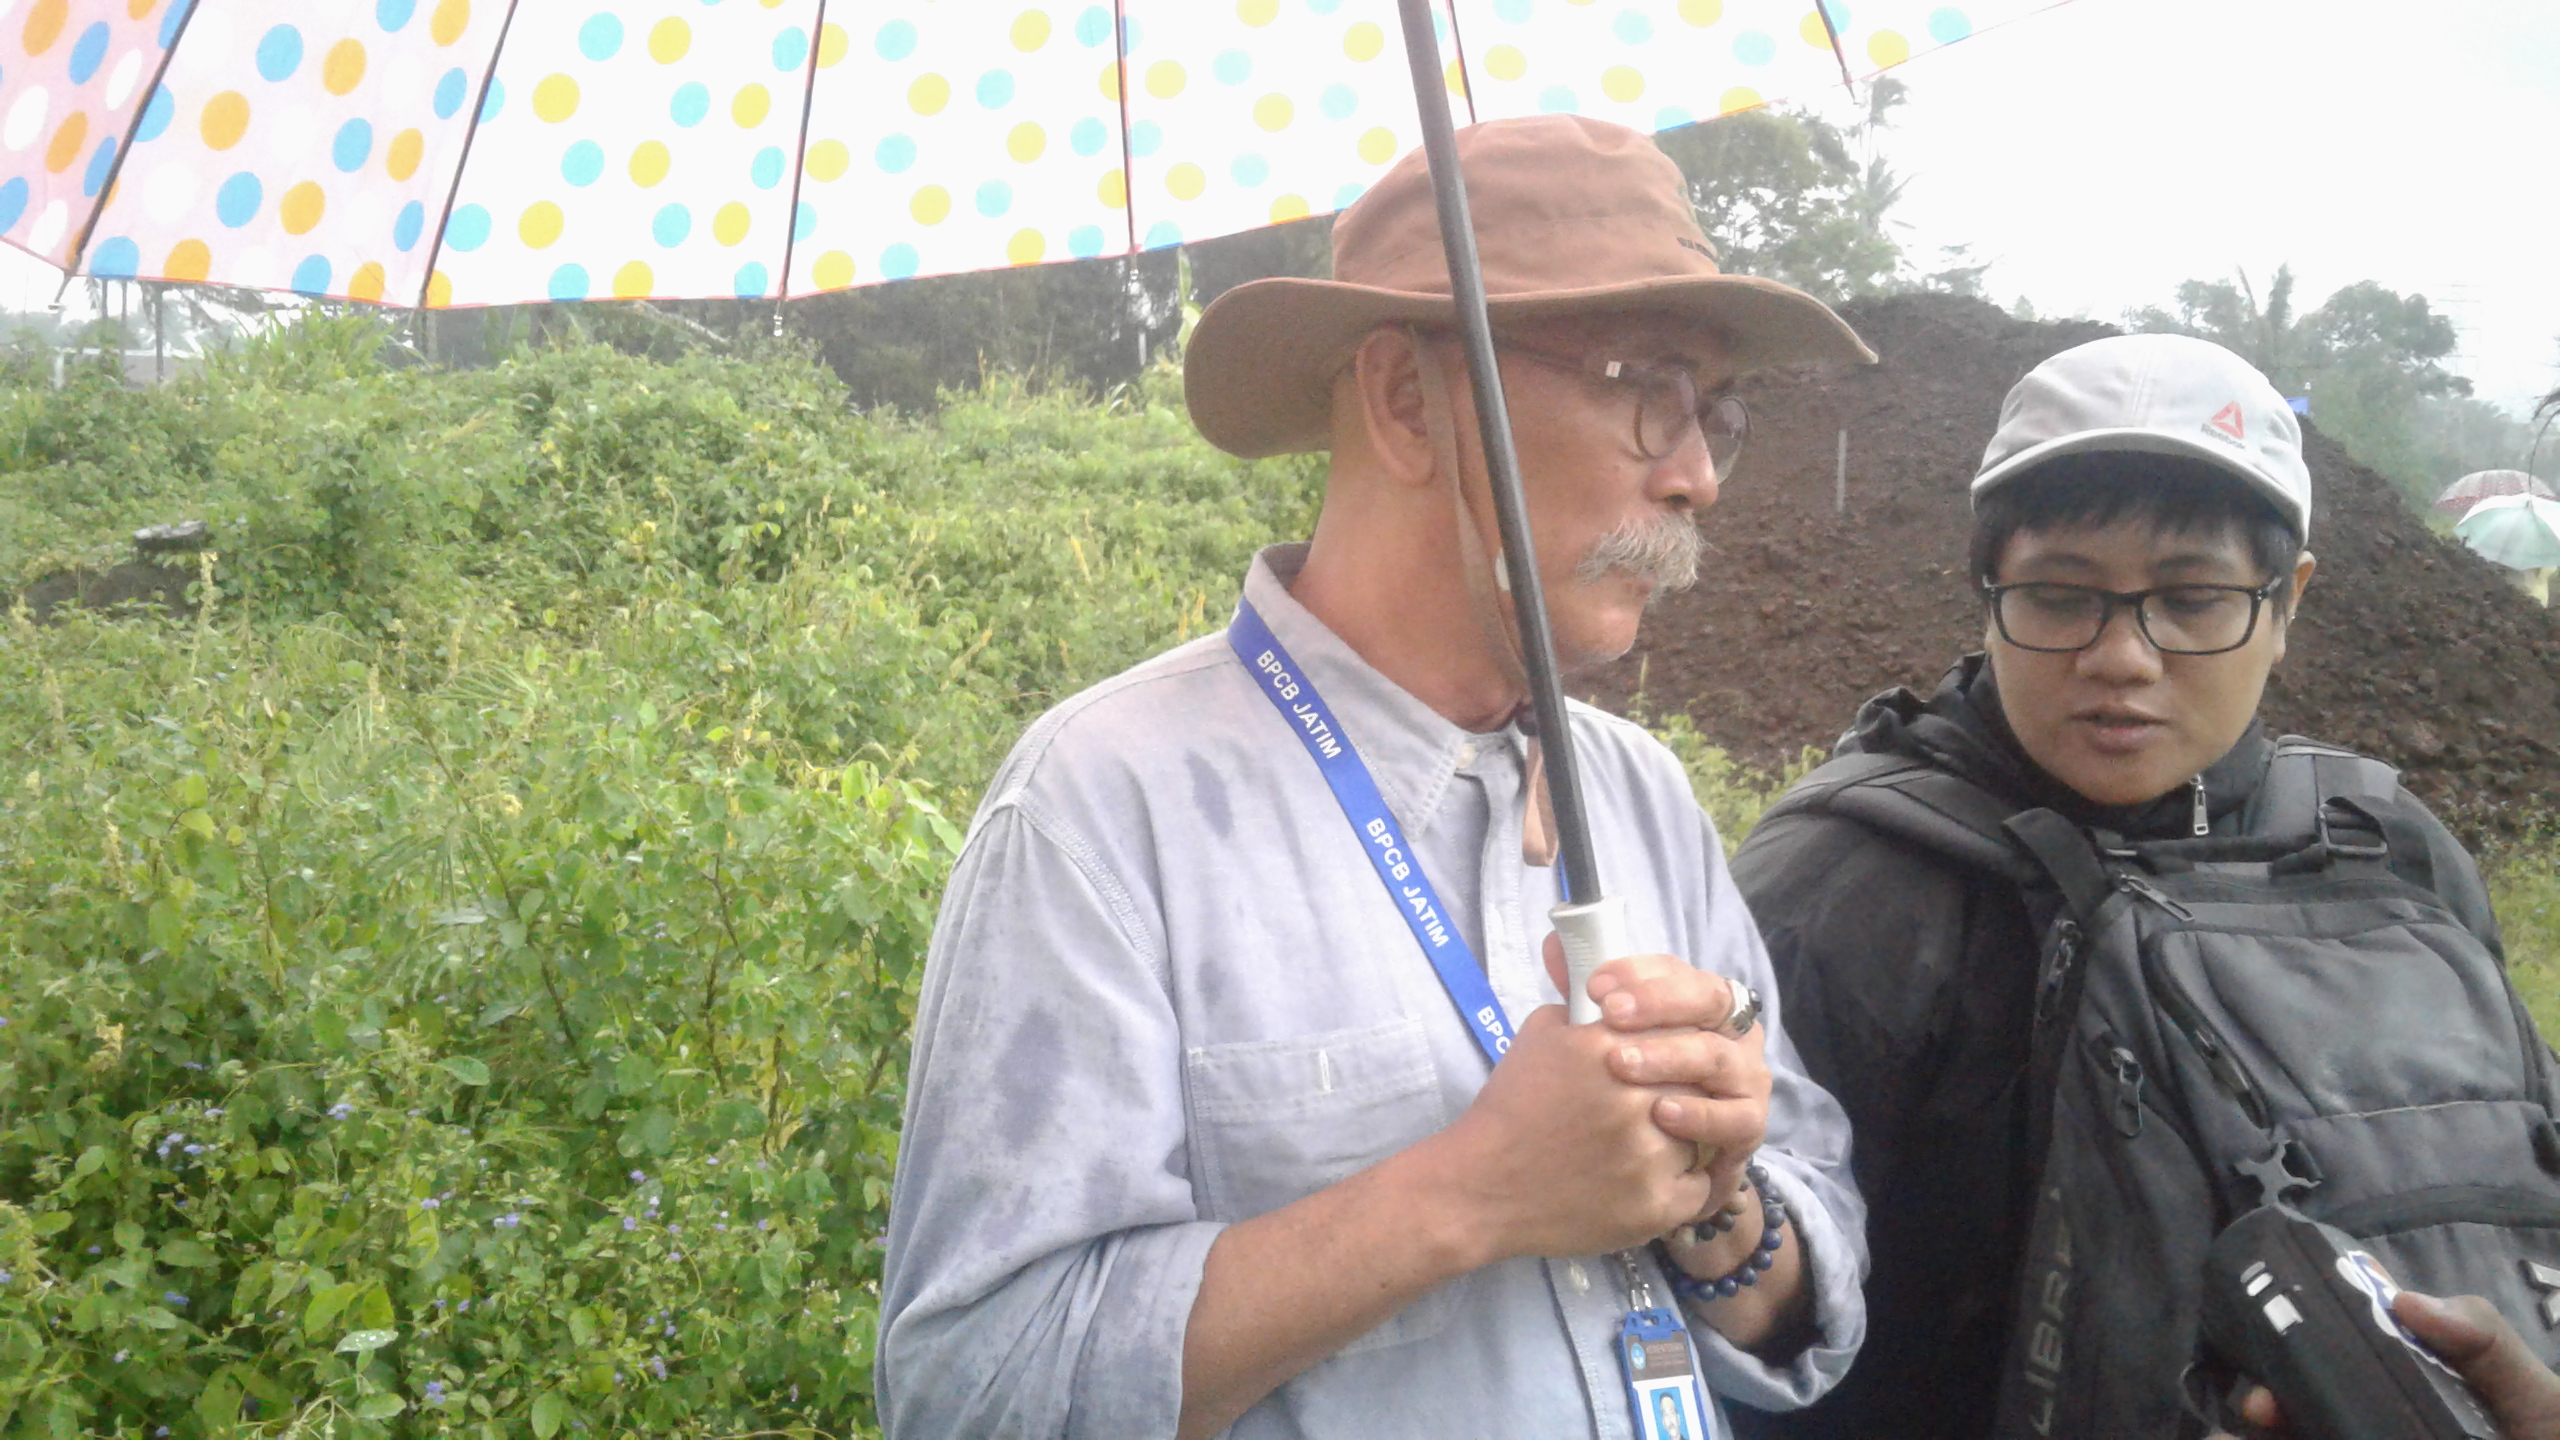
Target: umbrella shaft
1502 463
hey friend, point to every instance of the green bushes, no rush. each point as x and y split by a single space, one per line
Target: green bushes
458 982
2524 884
374 1042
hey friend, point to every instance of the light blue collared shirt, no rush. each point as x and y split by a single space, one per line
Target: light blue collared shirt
1167 993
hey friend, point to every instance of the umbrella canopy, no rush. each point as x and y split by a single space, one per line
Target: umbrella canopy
467 152
2479 485
2521 532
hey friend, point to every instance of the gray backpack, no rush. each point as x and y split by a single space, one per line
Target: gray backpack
2288 1013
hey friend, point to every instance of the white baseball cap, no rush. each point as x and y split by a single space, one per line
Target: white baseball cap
2154 395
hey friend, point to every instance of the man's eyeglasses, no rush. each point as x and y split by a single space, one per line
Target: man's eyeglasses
2177 619
1669 405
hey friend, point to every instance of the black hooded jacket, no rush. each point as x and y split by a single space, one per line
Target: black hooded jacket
1905 980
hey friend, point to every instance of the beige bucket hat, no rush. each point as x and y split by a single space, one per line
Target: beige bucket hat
1572 216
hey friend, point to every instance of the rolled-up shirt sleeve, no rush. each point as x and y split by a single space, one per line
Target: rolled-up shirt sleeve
1807 1156
1044 1246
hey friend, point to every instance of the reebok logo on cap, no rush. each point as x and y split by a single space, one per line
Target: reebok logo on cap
2165 395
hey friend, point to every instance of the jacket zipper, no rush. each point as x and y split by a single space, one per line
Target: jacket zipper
2203 820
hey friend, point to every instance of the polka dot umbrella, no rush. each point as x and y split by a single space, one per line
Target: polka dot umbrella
2479 485
468 152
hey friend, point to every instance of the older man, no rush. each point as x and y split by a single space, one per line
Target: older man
1197 1140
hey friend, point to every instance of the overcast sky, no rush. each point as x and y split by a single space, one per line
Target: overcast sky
2103 151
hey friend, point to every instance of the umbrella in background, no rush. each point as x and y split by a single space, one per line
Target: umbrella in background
2521 532
469 152
2479 485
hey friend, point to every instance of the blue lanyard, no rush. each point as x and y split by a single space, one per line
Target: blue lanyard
1399 869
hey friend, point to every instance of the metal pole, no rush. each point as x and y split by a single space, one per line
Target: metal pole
1502 464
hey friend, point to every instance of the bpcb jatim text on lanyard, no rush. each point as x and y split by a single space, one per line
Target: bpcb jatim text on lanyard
1654 1354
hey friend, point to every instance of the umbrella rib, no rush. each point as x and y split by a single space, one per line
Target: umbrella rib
462 162
1466 77
800 166
115 167
1120 88
1823 9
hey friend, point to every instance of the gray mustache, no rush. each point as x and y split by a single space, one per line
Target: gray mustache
1663 550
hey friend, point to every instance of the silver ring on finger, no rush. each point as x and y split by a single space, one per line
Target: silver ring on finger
1745 1012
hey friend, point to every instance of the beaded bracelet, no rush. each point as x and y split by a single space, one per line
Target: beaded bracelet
1773 1235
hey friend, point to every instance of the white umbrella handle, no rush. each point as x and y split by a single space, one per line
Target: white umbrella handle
1594 933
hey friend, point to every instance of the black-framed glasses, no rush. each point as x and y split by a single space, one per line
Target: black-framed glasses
1669 405
2058 619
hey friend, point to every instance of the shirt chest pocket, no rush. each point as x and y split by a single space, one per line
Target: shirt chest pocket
1274 1121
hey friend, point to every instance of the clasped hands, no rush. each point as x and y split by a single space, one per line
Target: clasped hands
1586 1138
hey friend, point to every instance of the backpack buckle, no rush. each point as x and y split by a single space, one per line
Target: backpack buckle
2362 838
2283 1172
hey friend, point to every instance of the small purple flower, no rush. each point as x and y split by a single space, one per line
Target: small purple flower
435 1392
190 1064
658 1363
639 1177
121 1354
463 1308
630 1224
7 1275
341 1110
714 1160
430 1203
195 1149
93 1249
764 1224
175 1299
675 1255
213 1112
723 1229
671 1330
160 1433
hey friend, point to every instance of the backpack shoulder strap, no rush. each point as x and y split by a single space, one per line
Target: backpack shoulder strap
2304 775
1913 801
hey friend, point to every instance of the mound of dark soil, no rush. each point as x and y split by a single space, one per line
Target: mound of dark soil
2407 646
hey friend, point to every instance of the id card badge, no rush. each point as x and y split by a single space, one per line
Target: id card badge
1662 1377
